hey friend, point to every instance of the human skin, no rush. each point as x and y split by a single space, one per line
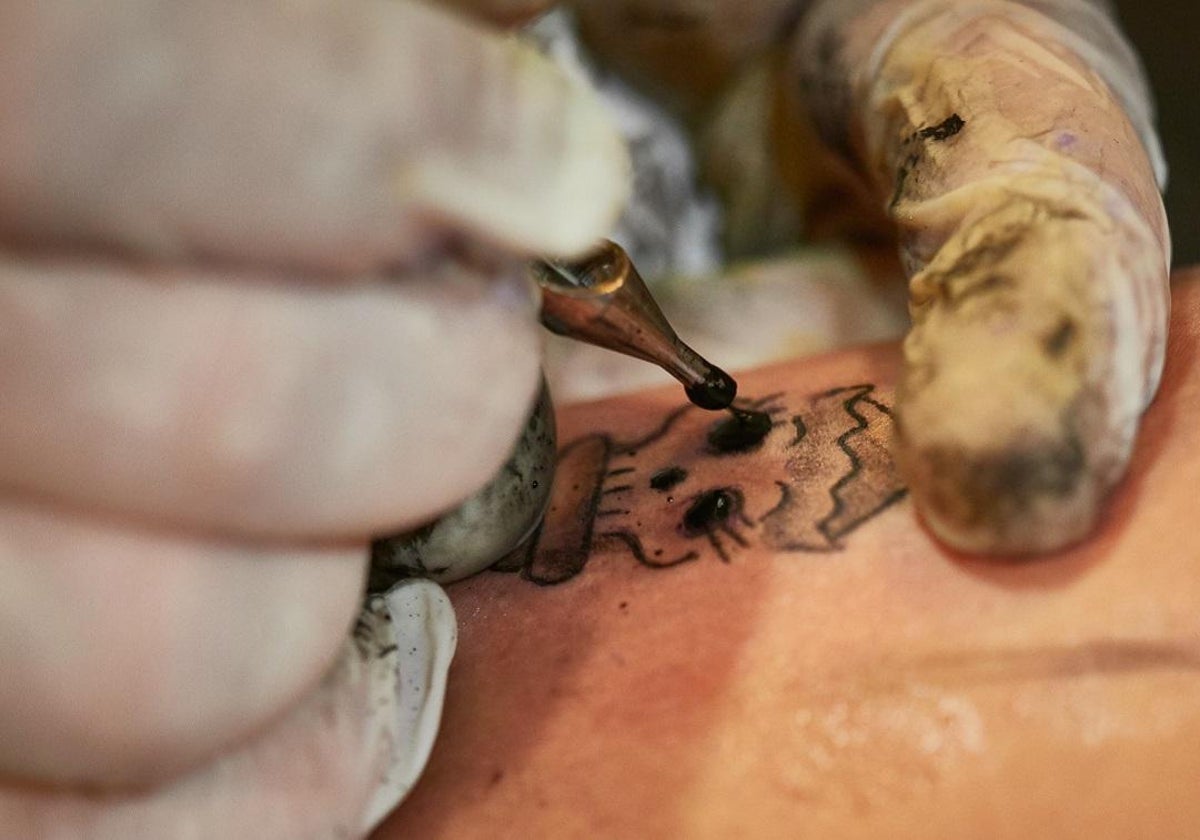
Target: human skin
882 686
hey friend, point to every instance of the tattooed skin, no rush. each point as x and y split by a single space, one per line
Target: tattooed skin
822 468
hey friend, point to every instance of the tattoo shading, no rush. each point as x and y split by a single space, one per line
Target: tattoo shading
828 471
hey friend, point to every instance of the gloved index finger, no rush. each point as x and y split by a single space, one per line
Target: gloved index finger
328 135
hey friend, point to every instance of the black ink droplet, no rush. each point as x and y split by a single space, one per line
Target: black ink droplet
742 431
709 510
715 392
666 478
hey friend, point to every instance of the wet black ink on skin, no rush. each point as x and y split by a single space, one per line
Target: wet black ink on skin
742 431
666 478
854 481
710 513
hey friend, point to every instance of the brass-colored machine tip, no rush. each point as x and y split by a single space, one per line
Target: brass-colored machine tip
601 299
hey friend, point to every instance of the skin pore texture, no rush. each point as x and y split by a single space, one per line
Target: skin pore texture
811 656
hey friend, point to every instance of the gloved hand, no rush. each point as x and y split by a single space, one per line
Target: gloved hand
1011 142
233 349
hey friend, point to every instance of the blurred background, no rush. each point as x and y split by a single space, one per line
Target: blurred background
1167 34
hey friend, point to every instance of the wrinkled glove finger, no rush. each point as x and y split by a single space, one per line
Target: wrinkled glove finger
317 134
257 407
331 767
129 655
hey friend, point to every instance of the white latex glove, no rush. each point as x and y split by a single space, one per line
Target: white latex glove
231 349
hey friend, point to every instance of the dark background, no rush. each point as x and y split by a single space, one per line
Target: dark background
1167 34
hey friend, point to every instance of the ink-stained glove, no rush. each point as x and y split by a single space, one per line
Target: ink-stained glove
1012 145
233 351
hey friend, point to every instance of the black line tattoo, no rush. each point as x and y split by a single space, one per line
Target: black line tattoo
829 465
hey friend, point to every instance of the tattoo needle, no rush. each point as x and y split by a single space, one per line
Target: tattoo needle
601 299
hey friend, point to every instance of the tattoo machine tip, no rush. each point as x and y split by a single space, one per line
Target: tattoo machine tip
601 299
